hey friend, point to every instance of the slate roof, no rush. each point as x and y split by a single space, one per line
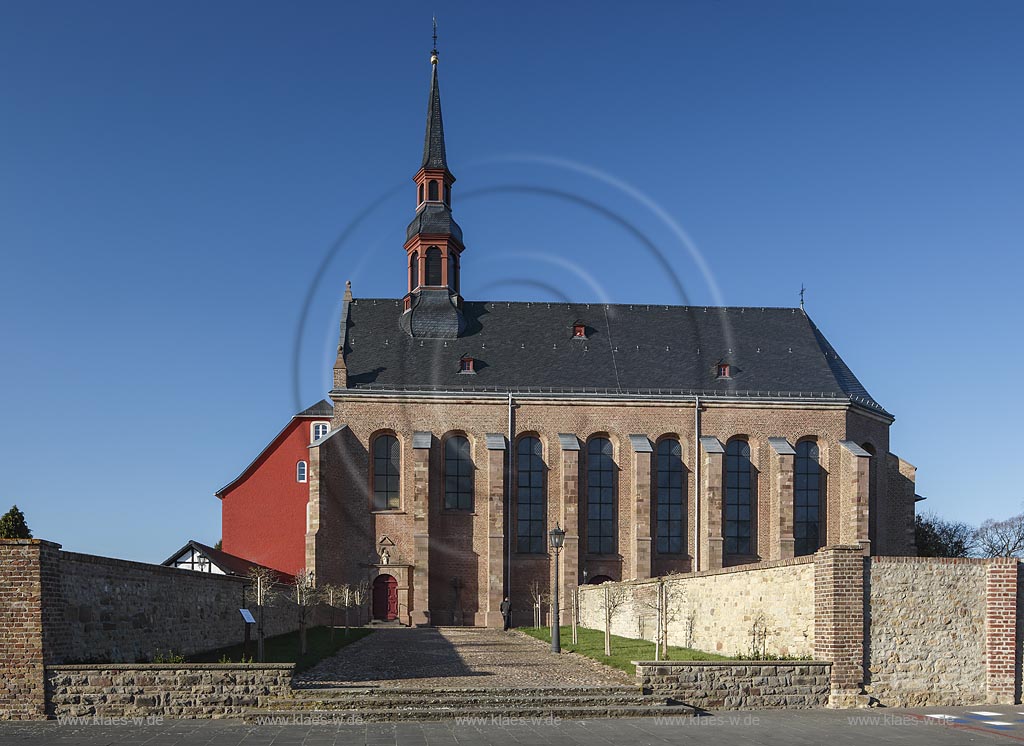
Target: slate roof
434 217
629 349
433 141
322 408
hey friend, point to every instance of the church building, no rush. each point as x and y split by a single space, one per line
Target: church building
662 439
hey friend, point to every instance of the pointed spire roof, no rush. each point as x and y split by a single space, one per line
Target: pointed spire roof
433 142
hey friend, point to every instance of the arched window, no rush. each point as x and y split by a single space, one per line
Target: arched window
530 518
432 191
448 195
807 499
301 472
738 499
671 498
452 273
600 497
458 474
320 429
414 270
433 266
386 472
420 195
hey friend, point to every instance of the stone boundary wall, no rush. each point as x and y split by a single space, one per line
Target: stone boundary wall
119 611
926 631
63 608
902 631
735 685
170 690
777 597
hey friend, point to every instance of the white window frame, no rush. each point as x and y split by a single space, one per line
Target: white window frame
302 472
313 437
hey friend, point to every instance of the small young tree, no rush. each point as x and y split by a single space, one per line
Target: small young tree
358 598
336 597
614 599
306 597
13 525
538 595
262 581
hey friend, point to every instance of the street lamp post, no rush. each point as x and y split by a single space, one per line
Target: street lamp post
557 538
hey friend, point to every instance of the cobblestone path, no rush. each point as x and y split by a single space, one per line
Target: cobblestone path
457 657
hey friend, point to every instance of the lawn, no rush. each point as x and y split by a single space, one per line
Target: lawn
624 649
285 648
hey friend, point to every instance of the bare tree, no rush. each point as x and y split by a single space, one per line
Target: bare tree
614 599
358 598
539 596
1002 538
306 597
336 597
262 581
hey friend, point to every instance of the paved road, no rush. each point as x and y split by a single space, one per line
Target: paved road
775 728
457 657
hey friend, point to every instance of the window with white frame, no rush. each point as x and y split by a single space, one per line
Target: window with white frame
320 429
301 472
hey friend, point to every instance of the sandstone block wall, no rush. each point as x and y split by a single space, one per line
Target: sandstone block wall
172 690
926 631
717 611
124 612
716 685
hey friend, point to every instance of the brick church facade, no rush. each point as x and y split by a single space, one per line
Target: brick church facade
663 439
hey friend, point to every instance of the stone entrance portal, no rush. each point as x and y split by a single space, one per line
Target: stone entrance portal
385 598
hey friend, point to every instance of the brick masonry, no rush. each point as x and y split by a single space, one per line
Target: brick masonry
343 530
730 685
170 690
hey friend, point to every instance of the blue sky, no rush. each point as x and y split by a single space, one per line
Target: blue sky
172 177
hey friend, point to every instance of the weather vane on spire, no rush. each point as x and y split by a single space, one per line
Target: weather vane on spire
433 54
802 291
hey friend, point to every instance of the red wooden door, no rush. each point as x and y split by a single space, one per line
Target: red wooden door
385 598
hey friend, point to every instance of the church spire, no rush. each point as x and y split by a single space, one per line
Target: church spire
433 141
433 245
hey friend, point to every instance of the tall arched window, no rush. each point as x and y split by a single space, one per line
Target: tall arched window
807 499
414 270
421 194
386 472
458 474
530 518
432 191
671 498
738 499
447 195
301 472
600 497
433 266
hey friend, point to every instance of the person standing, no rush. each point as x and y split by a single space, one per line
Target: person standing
506 613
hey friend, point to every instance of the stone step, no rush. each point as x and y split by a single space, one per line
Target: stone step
484 714
390 692
491 699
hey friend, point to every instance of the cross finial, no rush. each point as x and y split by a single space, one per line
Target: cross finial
435 32
802 291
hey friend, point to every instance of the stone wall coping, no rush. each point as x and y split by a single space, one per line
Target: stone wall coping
29 542
77 668
750 567
886 560
728 663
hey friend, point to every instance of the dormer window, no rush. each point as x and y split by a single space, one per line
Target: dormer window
579 330
467 365
724 370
